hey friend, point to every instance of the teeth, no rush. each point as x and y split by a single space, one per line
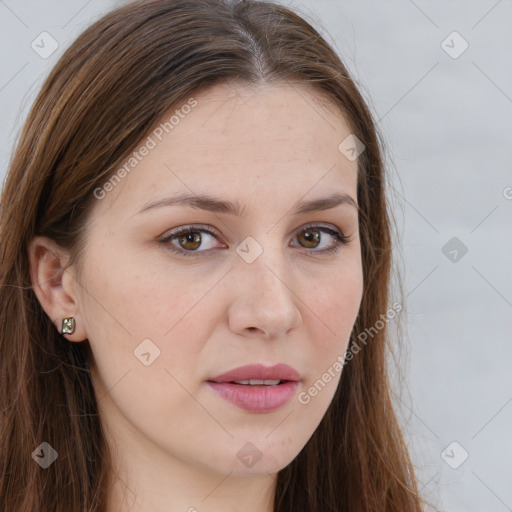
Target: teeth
258 382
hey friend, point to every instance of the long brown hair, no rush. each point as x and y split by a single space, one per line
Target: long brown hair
100 100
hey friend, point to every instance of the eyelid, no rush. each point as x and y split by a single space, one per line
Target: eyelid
189 228
327 226
212 231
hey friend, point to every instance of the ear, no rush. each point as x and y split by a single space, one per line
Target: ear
55 285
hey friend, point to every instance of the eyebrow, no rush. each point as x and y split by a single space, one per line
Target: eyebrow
213 204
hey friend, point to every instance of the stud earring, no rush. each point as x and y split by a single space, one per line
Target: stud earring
68 325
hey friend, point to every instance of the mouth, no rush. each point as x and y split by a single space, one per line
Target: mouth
258 382
256 388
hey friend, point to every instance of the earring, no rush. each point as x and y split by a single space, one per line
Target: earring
68 325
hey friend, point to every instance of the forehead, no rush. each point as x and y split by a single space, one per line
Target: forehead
280 140
286 119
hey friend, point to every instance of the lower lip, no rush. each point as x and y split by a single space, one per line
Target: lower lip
256 398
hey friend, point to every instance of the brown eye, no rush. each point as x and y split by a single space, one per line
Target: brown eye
190 241
310 238
321 240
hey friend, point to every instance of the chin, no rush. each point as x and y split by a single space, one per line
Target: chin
251 460
260 468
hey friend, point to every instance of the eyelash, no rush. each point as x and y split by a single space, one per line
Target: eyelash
340 239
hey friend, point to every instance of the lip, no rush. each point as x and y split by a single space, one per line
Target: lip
257 398
258 371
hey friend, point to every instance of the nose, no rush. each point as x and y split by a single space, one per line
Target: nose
264 302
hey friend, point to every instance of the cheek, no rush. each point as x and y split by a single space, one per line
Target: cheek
133 309
334 306
140 296
334 309
135 299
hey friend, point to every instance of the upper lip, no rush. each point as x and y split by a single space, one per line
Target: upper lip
258 371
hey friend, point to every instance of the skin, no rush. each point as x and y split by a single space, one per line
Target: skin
175 441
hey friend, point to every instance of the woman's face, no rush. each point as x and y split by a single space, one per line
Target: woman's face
166 313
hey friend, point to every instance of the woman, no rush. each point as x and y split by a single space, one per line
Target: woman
194 275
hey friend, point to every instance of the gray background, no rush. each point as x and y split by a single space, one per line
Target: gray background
448 124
